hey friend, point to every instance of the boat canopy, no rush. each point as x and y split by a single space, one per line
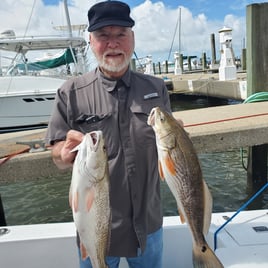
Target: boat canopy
23 45
66 58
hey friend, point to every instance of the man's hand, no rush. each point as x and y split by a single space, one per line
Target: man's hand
61 151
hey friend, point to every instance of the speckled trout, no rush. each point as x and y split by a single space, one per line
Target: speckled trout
89 198
179 166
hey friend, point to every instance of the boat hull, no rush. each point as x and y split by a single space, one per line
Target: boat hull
26 101
54 245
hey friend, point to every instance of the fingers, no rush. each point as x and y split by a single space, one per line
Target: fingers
62 151
73 138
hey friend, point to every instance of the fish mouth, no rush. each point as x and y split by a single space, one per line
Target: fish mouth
151 117
94 137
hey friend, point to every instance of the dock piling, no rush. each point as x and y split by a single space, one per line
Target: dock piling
257 81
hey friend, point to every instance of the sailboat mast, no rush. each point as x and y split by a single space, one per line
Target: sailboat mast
68 18
179 31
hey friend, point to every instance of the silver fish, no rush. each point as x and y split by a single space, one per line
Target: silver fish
89 198
179 166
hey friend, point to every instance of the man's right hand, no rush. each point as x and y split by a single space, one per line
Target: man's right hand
62 153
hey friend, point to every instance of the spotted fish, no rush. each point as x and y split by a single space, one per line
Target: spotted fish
89 198
179 166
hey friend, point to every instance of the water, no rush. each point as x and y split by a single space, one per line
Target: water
45 200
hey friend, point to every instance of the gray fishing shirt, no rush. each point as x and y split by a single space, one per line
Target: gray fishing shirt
120 109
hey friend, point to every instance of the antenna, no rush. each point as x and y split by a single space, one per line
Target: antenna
68 18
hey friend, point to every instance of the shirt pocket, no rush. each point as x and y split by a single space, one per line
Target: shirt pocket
103 122
144 133
86 123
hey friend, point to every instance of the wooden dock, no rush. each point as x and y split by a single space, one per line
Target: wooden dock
211 129
207 84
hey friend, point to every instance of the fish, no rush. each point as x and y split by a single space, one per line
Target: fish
179 166
89 198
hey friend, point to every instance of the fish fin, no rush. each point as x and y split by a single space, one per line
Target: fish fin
70 198
203 256
170 165
90 198
161 173
208 208
181 216
83 250
73 201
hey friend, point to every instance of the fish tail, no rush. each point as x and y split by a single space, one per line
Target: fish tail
204 257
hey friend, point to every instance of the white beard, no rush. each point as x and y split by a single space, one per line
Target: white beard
112 65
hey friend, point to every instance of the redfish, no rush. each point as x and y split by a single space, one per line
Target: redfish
180 167
89 198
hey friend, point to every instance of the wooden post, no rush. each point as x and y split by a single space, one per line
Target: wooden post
133 64
204 61
257 167
257 81
159 68
244 59
2 214
189 63
213 49
166 67
181 61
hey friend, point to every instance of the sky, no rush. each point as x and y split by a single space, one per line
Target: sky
155 28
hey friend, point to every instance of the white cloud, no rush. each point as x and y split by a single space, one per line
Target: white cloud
154 29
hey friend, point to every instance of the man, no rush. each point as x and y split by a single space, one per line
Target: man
117 101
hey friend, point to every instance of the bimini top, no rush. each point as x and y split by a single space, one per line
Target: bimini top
23 45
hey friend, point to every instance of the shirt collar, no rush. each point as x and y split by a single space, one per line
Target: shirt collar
110 84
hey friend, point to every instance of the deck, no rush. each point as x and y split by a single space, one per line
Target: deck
211 129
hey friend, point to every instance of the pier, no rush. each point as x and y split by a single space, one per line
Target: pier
207 84
211 129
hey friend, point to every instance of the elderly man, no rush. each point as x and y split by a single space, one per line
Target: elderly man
117 101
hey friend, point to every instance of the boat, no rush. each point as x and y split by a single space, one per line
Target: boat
241 243
28 87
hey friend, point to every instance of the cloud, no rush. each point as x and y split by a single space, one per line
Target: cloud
156 24
154 30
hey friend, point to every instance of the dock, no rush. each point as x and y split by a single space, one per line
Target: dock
207 84
211 129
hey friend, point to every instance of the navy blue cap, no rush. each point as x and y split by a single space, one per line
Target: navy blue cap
109 13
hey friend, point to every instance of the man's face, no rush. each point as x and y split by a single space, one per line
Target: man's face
113 47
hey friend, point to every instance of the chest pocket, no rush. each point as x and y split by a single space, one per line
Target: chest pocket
103 122
86 123
144 133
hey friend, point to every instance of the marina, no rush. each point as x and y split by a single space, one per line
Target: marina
221 135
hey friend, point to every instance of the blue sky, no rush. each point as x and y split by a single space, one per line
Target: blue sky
214 9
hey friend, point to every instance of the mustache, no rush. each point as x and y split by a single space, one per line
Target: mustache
114 52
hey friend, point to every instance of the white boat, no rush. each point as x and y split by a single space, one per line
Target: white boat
27 89
243 243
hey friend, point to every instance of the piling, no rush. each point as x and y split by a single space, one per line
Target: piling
2 214
204 61
244 59
257 81
213 49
